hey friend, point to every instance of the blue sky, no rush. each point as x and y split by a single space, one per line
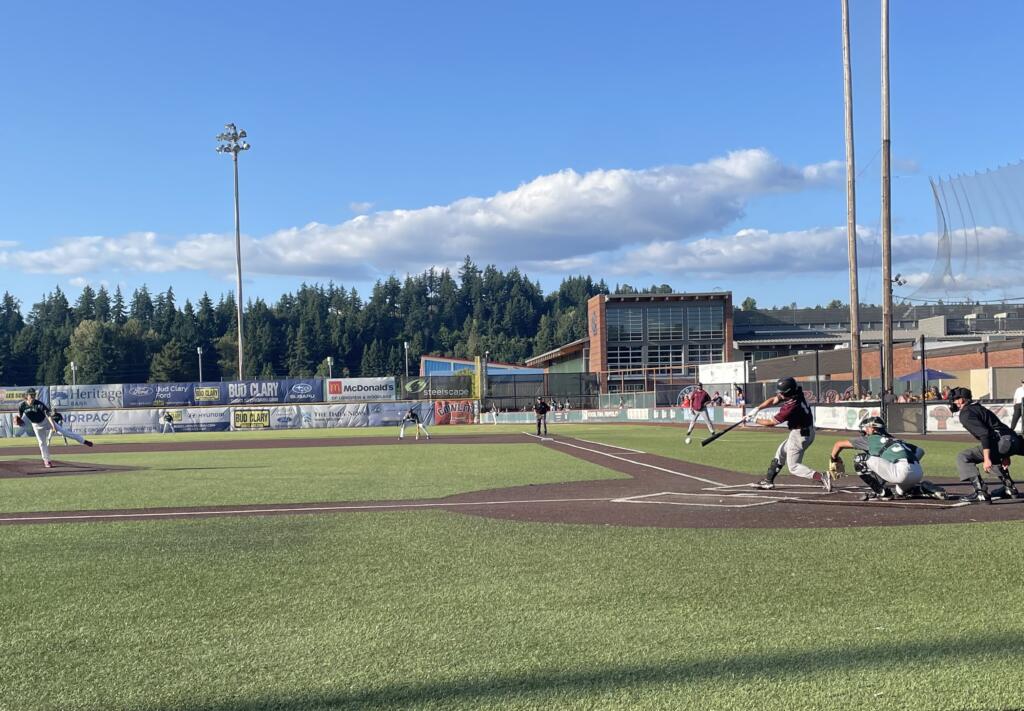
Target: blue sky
694 143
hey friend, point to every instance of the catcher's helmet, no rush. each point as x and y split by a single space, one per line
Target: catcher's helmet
787 387
874 421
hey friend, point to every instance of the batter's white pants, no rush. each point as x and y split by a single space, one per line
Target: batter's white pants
419 428
791 453
43 432
902 473
707 418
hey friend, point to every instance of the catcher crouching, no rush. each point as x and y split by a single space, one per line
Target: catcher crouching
889 466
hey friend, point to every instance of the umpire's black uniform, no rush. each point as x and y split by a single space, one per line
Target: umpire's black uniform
995 439
541 409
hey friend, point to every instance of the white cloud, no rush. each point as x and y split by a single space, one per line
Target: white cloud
7 244
78 282
360 208
560 220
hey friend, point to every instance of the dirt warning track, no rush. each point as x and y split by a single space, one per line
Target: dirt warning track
659 492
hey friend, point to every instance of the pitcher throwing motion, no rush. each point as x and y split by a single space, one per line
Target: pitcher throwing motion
797 415
38 414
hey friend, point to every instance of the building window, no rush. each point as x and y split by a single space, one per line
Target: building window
626 324
625 357
665 356
705 322
665 323
704 353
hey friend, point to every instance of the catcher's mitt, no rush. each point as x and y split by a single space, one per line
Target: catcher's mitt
836 467
18 422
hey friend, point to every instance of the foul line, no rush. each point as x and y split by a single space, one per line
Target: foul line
605 444
282 509
630 461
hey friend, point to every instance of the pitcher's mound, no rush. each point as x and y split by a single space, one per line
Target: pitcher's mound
34 467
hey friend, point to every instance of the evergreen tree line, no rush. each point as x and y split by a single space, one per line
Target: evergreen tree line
149 338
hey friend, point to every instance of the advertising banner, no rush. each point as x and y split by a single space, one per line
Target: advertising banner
209 394
201 419
286 417
95 422
305 390
255 392
387 414
65 397
11 398
454 412
339 415
157 394
437 387
348 389
250 418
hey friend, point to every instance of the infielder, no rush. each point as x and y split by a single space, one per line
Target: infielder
884 460
996 442
58 419
167 423
541 409
412 416
699 399
797 415
38 413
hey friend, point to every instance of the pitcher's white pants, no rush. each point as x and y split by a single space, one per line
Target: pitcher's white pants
44 431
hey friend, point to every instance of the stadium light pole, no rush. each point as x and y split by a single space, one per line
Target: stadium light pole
406 358
886 216
74 374
851 205
199 352
330 366
231 142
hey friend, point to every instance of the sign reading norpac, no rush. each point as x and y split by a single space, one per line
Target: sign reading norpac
345 389
65 397
157 394
11 398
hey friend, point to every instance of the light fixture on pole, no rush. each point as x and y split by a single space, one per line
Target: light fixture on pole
232 143
199 351
406 343
74 373
330 366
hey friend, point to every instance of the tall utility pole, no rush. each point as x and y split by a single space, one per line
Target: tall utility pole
851 206
886 216
232 143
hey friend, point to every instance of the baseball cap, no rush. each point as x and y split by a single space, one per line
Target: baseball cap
31 391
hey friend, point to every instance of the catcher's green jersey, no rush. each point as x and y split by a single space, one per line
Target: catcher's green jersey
889 449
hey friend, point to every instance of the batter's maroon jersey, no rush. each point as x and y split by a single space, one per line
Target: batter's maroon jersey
699 400
796 413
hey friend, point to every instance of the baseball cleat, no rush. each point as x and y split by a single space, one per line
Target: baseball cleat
764 484
87 443
48 464
687 440
826 481
977 496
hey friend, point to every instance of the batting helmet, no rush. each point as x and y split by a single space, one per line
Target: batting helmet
874 421
787 387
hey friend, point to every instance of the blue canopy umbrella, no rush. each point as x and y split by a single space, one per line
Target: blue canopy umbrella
927 375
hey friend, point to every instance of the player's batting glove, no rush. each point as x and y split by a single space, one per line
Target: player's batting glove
836 467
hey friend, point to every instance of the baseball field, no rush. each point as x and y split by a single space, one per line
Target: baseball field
605 567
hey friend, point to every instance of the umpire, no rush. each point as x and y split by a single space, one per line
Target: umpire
996 441
541 409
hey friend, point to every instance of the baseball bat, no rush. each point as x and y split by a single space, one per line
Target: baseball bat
730 428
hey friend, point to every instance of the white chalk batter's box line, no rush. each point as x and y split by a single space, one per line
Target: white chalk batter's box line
780 491
647 499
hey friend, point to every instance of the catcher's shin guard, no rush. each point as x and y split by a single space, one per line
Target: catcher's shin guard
773 470
873 482
860 464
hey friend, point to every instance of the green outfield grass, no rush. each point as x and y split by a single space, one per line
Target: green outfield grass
442 611
294 475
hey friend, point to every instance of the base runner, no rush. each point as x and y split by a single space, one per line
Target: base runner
412 416
38 413
797 415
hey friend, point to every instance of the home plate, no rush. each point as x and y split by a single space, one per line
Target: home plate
716 501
